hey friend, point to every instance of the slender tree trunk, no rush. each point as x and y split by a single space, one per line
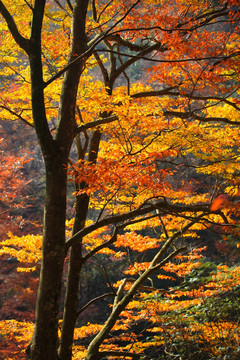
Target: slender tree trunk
75 264
72 290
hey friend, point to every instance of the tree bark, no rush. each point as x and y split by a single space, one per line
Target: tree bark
45 337
75 264
72 290
44 342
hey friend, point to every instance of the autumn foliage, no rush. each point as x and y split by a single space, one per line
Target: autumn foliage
137 108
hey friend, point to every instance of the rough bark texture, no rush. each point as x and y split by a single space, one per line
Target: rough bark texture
45 338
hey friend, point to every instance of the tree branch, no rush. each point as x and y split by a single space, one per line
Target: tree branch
29 5
162 206
85 55
153 93
133 58
92 44
20 40
103 354
95 123
168 91
217 57
112 118
102 246
92 302
204 98
121 305
70 5
122 42
17 115
209 15
102 68
191 114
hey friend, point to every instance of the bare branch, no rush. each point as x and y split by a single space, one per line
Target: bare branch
163 226
94 10
93 301
124 72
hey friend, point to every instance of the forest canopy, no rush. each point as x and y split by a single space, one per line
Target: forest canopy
134 106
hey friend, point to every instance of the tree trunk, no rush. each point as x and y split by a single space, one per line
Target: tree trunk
45 338
71 297
44 344
75 263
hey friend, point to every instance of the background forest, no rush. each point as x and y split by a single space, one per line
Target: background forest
120 175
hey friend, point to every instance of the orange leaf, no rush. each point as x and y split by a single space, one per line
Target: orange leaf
219 202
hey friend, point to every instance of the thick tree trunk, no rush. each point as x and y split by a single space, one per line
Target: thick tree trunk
44 342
